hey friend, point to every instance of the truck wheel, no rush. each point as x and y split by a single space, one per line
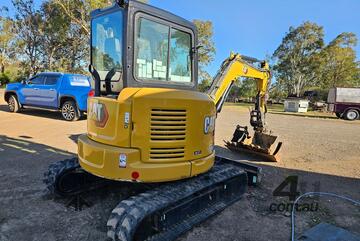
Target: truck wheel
352 114
69 111
338 115
13 104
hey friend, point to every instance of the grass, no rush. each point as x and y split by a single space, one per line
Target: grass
279 109
273 107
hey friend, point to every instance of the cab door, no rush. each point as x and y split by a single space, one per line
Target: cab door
31 91
49 92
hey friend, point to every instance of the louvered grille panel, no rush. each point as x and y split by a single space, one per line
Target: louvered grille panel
167 126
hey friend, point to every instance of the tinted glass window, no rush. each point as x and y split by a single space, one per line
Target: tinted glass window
153 58
151 50
180 59
37 80
51 80
106 45
79 81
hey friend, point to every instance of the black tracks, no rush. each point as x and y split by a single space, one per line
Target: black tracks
131 217
164 212
67 178
55 170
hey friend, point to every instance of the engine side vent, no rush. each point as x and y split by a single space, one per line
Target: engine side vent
166 153
168 125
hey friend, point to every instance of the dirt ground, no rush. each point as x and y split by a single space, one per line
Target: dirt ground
324 154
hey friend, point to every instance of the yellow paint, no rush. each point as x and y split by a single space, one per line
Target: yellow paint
114 132
103 160
164 140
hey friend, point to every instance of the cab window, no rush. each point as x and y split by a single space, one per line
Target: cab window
180 59
162 53
51 80
37 80
151 50
106 41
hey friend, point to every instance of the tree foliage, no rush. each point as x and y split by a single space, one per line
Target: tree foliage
337 63
204 85
303 61
294 57
6 42
205 38
54 37
78 11
4 79
247 88
206 51
28 24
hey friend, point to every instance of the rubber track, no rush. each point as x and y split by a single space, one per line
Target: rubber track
55 170
128 214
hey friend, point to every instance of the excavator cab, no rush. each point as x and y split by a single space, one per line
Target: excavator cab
137 45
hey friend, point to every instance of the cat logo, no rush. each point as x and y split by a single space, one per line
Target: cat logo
245 70
209 124
98 113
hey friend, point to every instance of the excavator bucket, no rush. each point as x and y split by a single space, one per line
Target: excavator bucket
263 140
260 144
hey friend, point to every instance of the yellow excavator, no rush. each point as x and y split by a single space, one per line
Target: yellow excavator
149 126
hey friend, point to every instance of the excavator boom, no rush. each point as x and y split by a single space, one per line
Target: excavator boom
237 66
232 68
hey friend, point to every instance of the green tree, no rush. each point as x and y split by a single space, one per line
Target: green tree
77 12
205 38
27 25
204 84
6 42
206 51
247 88
55 40
337 63
8 62
276 92
295 57
4 79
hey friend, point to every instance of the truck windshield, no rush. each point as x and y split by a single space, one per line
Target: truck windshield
106 41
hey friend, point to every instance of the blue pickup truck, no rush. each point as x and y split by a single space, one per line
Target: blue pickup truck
57 91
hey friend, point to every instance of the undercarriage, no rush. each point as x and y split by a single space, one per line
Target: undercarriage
160 211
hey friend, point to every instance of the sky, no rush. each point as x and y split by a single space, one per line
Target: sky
256 28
